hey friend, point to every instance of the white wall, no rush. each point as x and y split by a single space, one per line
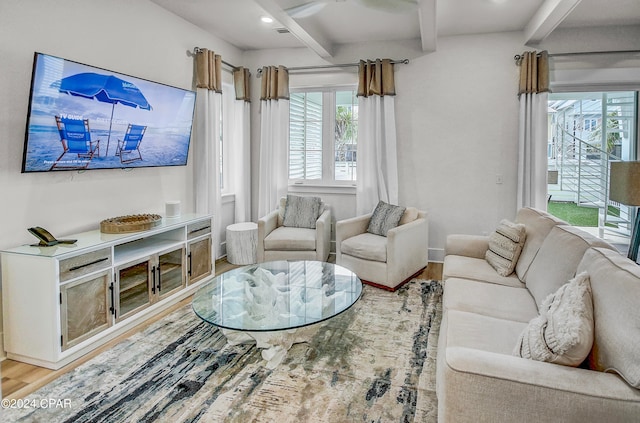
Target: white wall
457 122
603 38
132 37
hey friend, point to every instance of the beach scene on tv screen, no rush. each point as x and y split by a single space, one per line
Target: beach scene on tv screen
83 117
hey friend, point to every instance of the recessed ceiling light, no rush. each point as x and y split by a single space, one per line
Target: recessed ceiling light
266 19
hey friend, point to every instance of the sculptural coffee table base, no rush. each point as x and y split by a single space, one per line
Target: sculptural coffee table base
274 344
276 304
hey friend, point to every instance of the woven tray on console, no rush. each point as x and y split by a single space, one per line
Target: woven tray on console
129 223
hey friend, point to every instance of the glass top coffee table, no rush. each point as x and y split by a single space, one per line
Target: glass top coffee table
276 304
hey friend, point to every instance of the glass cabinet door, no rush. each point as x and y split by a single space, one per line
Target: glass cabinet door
169 272
84 308
133 290
199 259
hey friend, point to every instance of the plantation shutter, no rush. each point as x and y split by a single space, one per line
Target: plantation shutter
305 136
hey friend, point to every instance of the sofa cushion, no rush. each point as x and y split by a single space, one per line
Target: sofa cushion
488 299
476 269
563 332
505 245
291 239
385 216
615 283
301 212
471 330
366 246
558 259
538 225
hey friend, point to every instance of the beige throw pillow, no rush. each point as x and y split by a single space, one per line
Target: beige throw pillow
505 245
563 332
410 214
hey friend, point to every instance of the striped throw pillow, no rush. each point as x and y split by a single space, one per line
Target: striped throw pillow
505 245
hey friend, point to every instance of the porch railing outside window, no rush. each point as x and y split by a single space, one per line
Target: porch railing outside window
587 131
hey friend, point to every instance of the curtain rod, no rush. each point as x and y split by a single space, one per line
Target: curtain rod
198 49
339 65
518 57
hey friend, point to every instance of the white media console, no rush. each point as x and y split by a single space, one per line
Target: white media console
61 302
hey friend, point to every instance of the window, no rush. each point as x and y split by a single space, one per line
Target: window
590 125
322 135
587 130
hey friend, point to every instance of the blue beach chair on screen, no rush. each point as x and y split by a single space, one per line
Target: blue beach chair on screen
131 144
77 145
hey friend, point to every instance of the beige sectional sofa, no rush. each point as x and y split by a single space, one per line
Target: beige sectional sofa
478 377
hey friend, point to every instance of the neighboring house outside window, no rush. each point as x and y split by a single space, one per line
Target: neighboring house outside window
322 136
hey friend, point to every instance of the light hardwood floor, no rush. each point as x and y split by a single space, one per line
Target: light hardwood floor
21 379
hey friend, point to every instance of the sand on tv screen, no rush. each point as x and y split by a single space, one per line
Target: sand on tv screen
83 117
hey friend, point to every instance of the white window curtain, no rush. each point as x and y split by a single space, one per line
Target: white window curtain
532 133
274 138
237 120
206 148
377 159
532 151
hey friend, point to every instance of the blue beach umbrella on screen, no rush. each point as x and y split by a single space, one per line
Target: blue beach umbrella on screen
104 88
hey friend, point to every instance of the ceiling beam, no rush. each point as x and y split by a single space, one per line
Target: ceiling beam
310 37
428 24
550 14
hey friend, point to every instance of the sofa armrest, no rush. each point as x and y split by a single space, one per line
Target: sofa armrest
407 249
323 235
348 228
474 246
477 385
266 225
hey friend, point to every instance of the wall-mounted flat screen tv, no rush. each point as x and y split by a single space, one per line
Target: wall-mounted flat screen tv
83 117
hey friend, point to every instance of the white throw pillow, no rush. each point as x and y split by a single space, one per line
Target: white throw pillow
505 246
410 214
563 332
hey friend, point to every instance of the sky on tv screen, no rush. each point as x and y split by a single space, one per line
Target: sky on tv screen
167 113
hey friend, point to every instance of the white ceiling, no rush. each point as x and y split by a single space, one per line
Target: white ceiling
355 21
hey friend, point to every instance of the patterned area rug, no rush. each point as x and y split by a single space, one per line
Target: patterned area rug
373 363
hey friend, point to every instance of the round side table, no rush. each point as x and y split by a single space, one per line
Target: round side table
242 239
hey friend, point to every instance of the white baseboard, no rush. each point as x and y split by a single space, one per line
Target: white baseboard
3 354
436 254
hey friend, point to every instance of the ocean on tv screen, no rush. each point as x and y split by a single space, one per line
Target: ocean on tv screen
155 149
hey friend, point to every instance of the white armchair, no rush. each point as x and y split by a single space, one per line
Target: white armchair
278 242
385 262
